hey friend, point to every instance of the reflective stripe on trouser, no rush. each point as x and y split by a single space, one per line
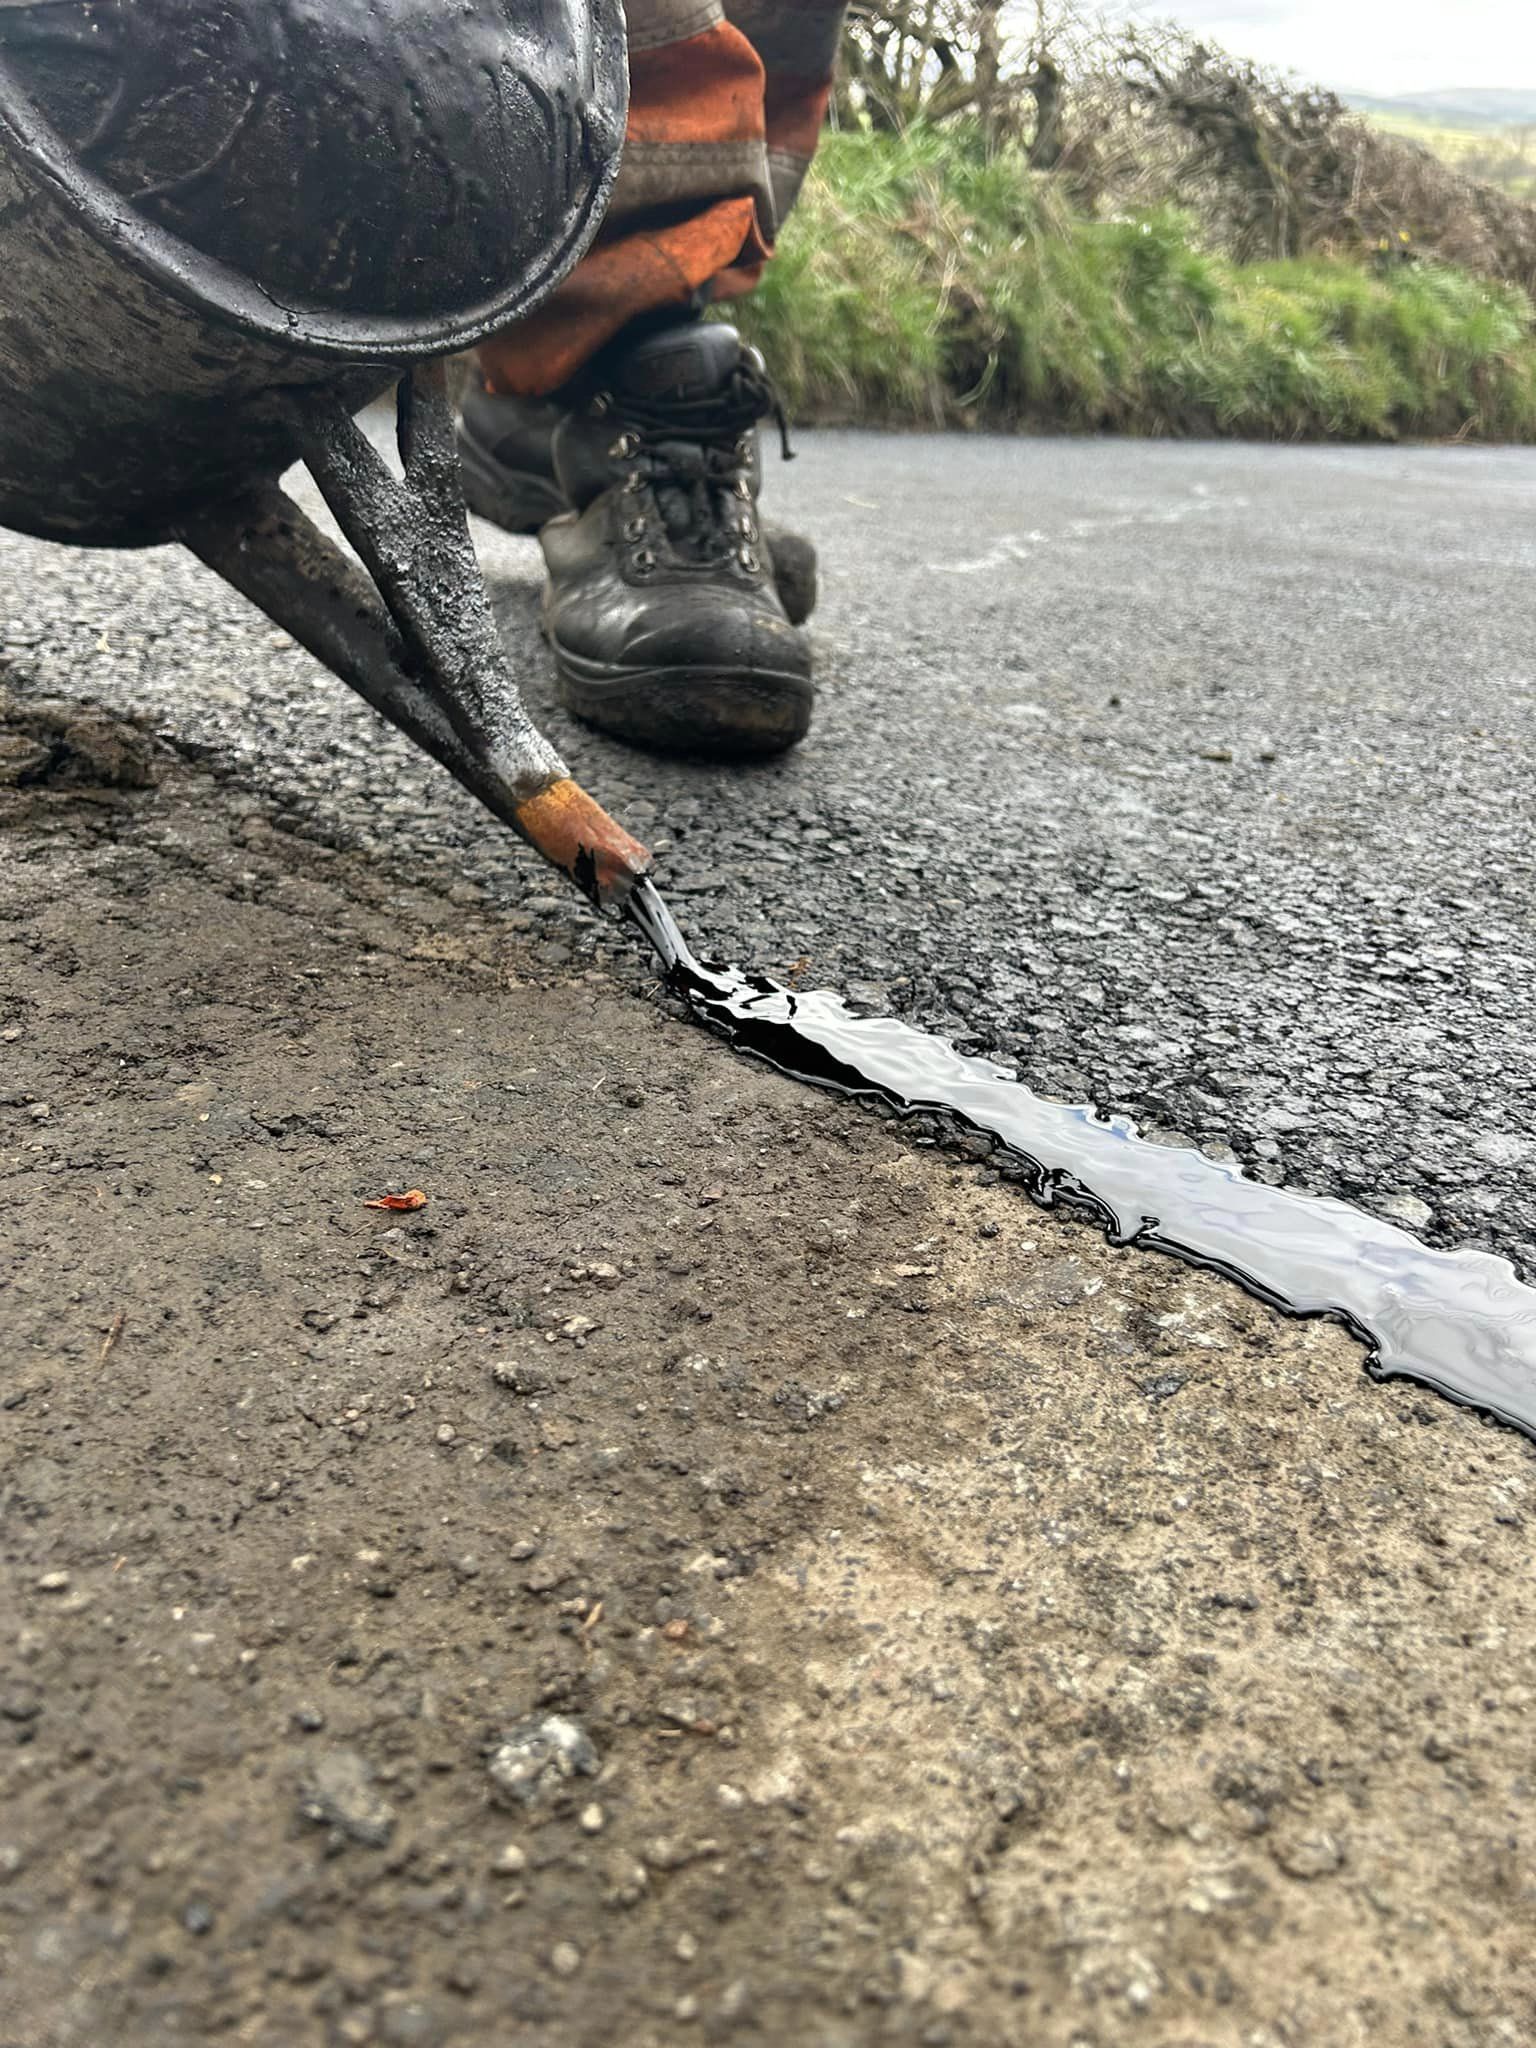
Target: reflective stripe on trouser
725 108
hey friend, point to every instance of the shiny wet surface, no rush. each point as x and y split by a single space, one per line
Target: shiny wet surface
1460 1322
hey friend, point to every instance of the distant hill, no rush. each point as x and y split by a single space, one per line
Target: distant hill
1473 106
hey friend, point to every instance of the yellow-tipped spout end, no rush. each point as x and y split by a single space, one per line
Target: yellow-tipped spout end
576 834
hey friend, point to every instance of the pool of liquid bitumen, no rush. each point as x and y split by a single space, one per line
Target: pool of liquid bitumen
1460 1322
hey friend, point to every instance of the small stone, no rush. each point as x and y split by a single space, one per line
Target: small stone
627 1883
340 1794
538 1755
1503 1148
512 1861
735 2001
668 1852
520 1377
1408 1210
686 1948
198 1917
1309 1856
592 1820
565 1959
686 2008
52 1582
411 2023
446 1432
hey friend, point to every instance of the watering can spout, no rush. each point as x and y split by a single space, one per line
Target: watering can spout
225 226
575 834
414 635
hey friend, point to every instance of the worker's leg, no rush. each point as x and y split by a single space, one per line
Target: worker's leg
723 120
666 607
691 198
797 41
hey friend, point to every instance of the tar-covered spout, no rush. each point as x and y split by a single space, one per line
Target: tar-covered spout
1460 1322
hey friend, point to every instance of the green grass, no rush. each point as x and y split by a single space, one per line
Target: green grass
922 280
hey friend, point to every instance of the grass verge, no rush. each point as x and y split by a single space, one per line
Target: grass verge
923 280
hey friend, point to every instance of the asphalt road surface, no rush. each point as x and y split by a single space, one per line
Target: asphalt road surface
1197 778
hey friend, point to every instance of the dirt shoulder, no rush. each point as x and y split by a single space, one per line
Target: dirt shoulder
717 1572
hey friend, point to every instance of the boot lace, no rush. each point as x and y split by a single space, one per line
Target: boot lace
690 458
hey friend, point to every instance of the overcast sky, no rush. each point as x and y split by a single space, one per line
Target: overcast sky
1385 46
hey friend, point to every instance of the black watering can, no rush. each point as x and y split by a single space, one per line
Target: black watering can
226 225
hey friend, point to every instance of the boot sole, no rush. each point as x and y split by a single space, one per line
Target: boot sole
726 714
516 500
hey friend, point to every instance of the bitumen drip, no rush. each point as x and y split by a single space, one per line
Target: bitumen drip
1459 1322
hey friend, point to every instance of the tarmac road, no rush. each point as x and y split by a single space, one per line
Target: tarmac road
1196 777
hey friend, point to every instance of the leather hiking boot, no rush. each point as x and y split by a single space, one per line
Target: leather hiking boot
505 459
661 608
507 462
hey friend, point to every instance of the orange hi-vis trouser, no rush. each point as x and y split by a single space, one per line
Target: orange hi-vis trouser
725 107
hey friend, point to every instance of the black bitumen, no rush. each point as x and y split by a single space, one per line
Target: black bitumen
1194 779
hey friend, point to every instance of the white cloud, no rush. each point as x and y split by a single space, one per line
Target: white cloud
1385 46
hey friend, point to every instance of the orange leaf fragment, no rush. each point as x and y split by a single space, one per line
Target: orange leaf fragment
413 1198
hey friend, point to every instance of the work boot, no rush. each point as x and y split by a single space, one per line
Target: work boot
506 458
661 607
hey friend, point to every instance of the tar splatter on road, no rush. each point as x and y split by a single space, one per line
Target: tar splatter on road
1457 1321
1193 778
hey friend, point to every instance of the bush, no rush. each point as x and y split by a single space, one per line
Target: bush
926 278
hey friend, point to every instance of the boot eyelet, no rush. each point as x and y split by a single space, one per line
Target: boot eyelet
645 561
634 483
740 487
601 405
744 447
626 446
749 560
634 529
